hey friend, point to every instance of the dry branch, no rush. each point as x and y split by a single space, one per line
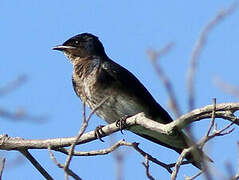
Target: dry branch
2 167
155 56
13 85
36 164
227 88
146 165
224 110
62 166
21 114
200 44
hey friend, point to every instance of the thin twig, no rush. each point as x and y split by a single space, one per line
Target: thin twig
115 146
69 171
224 111
213 117
155 56
13 85
201 143
2 167
95 152
226 87
54 158
215 133
82 130
212 123
194 177
151 158
197 51
36 164
179 162
21 114
146 165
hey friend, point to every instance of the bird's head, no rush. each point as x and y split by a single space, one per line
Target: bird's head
81 46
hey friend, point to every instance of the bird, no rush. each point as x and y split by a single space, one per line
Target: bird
95 77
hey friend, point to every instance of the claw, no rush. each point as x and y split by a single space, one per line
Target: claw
121 123
99 132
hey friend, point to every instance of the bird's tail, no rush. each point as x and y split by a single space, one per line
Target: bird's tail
196 157
178 142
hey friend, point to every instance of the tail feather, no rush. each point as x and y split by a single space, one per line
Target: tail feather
195 157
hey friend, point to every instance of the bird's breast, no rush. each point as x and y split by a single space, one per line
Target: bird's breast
117 105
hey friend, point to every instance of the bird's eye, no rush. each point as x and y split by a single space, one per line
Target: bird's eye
77 42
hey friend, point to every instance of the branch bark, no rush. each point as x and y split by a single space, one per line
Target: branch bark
2 167
197 51
224 110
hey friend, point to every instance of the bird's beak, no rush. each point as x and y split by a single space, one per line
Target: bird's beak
62 48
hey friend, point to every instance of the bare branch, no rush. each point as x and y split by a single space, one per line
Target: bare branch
13 85
80 133
8 143
220 110
228 88
36 164
117 145
215 133
2 167
199 144
54 159
21 114
69 171
200 44
212 123
202 142
151 158
224 110
179 162
213 118
194 177
96 152
154 56
146 165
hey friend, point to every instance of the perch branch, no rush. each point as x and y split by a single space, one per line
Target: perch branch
224 110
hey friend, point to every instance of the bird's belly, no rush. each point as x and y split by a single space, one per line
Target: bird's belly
115 107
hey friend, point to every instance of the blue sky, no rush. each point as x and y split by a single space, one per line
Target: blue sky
127 29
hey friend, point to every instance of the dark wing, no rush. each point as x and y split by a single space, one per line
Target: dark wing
112 72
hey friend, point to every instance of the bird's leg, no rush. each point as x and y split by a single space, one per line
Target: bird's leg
99 132
121 123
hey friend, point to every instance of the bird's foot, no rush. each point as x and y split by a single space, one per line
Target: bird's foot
99 132
121 123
